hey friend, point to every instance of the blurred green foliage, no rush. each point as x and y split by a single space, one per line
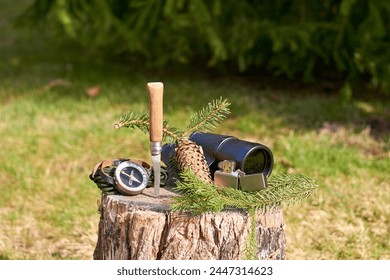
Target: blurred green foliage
300 39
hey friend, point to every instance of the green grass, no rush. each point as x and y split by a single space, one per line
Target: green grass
53 135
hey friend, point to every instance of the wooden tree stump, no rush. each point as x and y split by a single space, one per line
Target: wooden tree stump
143 227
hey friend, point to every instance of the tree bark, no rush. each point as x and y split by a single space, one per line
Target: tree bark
143 227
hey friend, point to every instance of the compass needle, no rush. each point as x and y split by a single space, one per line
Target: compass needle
133 178
124 173
130 178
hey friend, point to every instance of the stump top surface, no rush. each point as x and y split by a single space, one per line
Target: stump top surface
148 200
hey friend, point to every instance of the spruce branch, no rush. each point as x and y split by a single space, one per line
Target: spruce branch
205 120
250 251
134 120
141 121
198 196
287 189
170 133
208 117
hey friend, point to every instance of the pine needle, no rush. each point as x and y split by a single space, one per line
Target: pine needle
209 117
170 133
205 120
250 251
141 121
134 120
287 189
198 196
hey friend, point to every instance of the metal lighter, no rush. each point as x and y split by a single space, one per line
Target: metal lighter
229 176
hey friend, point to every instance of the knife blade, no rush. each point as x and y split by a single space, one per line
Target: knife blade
156 169
155 91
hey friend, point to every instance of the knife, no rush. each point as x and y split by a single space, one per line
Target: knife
155 91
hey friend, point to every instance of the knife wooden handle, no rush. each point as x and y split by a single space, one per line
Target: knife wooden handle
155 91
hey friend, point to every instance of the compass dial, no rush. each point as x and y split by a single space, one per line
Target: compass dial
131 178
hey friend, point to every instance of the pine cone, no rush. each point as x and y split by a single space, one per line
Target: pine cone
190 155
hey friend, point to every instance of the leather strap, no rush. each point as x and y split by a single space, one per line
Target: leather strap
107 168
102 184
103 174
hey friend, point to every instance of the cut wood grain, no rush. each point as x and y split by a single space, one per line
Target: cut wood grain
143 227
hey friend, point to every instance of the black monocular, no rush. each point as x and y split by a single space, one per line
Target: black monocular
250 157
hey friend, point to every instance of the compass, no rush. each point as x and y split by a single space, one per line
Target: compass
131 178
